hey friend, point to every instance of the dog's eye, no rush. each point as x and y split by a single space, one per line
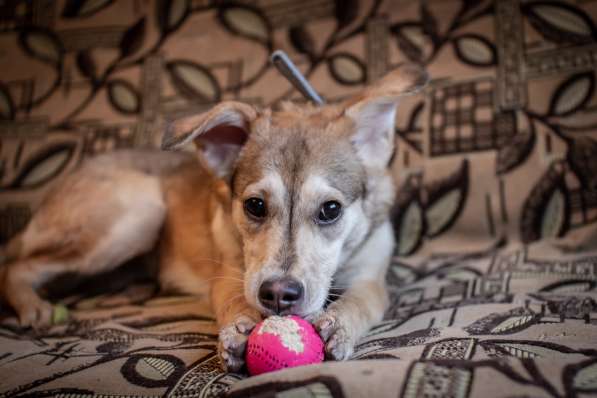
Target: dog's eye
255 207
329 212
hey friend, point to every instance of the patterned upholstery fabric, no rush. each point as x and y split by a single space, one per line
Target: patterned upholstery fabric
494 280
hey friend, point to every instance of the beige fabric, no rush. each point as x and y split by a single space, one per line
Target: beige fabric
494 282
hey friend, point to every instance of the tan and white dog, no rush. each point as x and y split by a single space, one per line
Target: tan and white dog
283 209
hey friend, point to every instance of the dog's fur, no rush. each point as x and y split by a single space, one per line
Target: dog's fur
119 205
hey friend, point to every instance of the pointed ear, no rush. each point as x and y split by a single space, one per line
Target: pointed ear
218 134
374 112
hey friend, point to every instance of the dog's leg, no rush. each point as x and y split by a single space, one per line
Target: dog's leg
363 303
345 321
235 317
20 281
225 281
89 225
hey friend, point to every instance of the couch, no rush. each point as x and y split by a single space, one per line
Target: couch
494 281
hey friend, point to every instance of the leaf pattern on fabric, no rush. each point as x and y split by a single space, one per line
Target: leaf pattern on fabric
560 22
84 8
512 93
86 65
525 351
123 96
528 349
586 378
346 11
7 107
475 50
193 81
582 157
171 14
347 69
417 337
411 40
429 22
570 287
245 21
302 41
133 38
572 94
517 150
42 44
510 322
446 199
545 212
408 217
400 273
44 166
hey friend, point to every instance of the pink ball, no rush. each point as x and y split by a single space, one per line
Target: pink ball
282 342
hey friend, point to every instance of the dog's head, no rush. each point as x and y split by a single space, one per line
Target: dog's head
306 185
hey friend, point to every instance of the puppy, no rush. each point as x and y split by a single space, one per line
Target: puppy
282 212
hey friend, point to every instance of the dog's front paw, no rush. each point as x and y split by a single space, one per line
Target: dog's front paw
337 335
233 342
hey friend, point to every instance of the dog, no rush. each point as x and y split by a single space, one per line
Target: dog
277 212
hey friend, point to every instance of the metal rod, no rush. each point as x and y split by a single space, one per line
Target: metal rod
287 68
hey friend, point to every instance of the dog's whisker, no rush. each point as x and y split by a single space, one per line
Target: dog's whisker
225 277
235 269
222 279
339 287
231 299
227 266
211 260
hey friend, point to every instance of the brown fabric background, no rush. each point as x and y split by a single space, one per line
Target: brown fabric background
494 279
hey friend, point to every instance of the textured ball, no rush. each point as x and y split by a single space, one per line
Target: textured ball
282 342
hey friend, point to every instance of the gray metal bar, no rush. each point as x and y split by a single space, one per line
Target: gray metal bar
294 76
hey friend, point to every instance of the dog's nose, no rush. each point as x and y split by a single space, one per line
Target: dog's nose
280 294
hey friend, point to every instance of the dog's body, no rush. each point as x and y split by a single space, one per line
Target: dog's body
282 209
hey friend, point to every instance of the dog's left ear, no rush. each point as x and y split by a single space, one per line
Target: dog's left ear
374 112
218 134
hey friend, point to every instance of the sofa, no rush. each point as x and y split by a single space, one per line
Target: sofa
494 280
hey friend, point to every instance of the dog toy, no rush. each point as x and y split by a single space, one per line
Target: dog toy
282 342
59 314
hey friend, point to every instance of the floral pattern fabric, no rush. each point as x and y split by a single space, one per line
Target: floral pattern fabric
493 285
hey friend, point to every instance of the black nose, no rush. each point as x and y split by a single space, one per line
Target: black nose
279 295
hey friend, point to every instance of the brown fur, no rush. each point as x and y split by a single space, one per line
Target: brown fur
122 204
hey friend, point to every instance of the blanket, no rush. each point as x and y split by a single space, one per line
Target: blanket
493 282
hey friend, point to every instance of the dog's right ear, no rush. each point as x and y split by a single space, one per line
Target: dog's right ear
218 134
374 110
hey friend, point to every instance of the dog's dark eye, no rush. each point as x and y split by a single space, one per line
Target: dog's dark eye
329 212
255 207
